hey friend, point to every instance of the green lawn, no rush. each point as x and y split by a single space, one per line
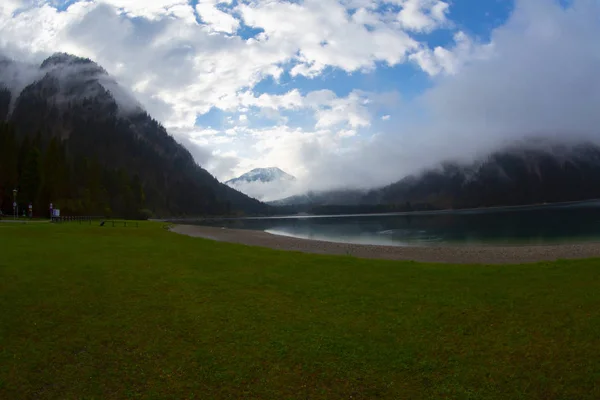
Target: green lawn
89 312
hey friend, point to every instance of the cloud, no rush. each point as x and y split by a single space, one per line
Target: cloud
181 61
329 109
216 19
537 74
8 7
321 33
15 75
268 191
539 80
351 110
150 9
422 15
450 61
218 163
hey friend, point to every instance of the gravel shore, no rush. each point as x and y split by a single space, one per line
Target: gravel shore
442 254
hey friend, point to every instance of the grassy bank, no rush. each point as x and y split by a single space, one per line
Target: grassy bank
102 312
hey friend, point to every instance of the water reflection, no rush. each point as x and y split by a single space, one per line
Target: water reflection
564 223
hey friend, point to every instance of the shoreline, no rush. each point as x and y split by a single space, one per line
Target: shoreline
439 254
446 211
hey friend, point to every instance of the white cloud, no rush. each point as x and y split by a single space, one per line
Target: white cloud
346 133
290 100
218 20
330 110
422 15
8 7
151 9
450 61
320 33
351 110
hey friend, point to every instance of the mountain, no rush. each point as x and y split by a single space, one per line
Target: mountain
323 198
528 172
108 144
264 184
271 174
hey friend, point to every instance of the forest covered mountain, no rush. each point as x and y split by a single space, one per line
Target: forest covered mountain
528 172
74 137
323 198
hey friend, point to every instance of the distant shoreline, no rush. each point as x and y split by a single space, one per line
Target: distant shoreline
439 254
524 207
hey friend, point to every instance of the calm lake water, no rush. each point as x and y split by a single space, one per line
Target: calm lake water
575 222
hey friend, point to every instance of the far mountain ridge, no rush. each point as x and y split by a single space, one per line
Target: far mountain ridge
526 172
534 171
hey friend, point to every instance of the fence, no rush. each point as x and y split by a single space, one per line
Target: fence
90 219
119 223
79 219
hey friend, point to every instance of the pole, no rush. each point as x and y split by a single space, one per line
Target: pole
15 211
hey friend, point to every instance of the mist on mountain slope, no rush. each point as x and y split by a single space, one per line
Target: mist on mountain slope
70 71
16 75
265 191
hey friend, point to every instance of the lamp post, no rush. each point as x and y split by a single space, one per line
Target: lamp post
15 203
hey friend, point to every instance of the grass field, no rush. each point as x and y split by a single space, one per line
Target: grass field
89 312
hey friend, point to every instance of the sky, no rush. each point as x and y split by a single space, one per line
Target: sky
339 93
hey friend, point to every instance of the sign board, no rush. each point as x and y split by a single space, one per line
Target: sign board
14 204
55 213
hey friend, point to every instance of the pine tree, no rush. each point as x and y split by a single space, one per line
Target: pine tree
50 173
139 197
31 179
8 165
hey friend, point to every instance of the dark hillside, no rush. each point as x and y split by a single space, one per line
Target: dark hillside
70 108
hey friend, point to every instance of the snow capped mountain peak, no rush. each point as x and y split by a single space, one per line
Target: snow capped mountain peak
270 174
264 184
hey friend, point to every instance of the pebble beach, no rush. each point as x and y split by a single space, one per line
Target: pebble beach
439 254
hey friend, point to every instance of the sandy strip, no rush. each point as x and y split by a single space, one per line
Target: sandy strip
443 254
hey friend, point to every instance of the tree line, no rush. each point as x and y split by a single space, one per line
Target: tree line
43 172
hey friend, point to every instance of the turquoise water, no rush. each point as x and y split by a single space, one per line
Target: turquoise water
549 224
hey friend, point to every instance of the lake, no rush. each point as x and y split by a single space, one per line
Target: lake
546 224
